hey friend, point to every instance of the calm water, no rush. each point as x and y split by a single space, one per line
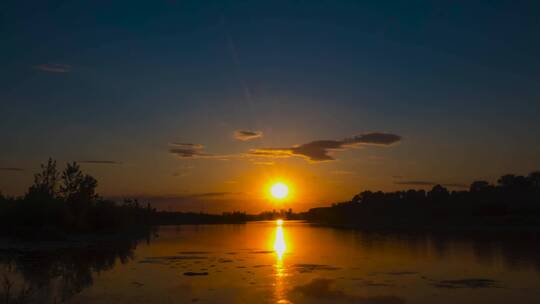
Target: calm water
265 262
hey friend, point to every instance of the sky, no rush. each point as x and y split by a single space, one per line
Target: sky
200 105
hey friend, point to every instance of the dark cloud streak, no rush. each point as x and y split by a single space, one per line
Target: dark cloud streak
187 145
13 169
430 183
53 68
99 162
210 194
245 135
188 150
319 150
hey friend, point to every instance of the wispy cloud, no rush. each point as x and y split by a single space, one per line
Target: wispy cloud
186 145
430 183
195 151
245 135
210 194
188 150
53 67
100 162
193 196
263 163
320 150
14 169
416 183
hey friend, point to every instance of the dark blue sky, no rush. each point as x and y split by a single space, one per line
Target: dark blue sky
94 80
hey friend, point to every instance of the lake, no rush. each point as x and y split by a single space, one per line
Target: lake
271 262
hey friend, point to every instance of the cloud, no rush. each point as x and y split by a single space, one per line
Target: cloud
188 145
375 138
14 169
100 162
263 163
315 151
271 152
53 68
208 202
320 150
188 197
188 150
244 135
210 194
430 183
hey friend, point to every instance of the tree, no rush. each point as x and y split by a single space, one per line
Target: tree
479 186
87 188
534 178
71 178
45 183
511 181
362 197
438 192
77 187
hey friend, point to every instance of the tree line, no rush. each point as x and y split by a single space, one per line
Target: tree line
67 202
513 202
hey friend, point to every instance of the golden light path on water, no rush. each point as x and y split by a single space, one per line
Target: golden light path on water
280 247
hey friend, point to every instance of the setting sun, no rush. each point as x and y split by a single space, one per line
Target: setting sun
279 190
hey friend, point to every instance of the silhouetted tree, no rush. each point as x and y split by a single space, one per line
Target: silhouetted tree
438 192
507 181
479 186
71 181
534 178
45 183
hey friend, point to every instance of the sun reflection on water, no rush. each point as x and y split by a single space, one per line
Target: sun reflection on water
280 247
279 241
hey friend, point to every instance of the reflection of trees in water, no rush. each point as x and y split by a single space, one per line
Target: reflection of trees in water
56 275
517 250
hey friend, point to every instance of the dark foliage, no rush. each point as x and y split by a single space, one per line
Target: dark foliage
59 203
273 215
513 203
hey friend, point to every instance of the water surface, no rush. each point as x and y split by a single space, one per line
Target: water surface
264 262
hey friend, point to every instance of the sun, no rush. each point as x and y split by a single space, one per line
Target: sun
279 190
